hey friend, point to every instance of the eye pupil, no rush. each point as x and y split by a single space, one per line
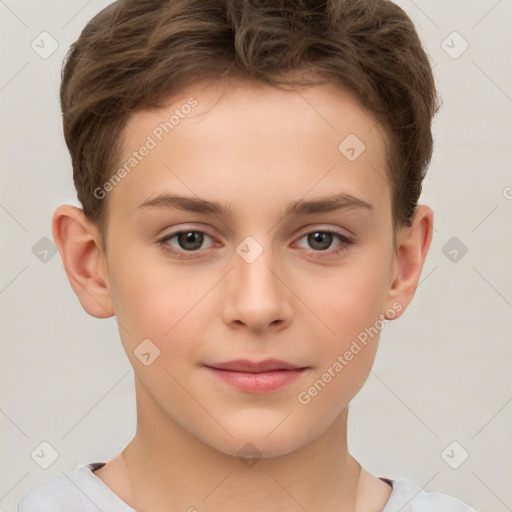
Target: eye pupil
194 238
320 240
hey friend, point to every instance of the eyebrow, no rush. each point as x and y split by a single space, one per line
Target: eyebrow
335 202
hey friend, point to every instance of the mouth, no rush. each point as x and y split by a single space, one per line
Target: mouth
256 377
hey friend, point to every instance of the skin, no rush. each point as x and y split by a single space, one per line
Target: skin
255 149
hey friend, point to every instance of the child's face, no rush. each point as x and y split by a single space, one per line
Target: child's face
304 300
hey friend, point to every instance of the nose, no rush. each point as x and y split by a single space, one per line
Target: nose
257 297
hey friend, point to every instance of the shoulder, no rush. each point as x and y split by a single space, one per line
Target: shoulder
408 497
68 492
51 494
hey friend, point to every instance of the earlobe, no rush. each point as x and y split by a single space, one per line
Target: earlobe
83 257
412 249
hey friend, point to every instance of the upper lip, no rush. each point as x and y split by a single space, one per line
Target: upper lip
244 365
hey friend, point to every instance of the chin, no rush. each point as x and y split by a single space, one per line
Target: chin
262 439
248 448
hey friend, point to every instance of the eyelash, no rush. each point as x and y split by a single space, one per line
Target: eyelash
345 242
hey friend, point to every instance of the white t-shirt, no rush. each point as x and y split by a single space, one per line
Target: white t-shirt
83 491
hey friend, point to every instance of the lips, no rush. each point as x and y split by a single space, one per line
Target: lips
243 365
256 377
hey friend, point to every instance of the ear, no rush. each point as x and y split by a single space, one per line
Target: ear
413 244
84 259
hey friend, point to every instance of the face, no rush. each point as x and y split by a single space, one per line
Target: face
254 228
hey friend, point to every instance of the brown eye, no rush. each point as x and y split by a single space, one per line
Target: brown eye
190 240
320 240
186 241
324 241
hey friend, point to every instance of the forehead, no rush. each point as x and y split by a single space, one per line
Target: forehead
244 141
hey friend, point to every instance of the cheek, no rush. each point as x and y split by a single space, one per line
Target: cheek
346 349
157 301
348 304
347 300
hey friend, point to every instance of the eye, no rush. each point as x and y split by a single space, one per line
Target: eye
322 241
184 241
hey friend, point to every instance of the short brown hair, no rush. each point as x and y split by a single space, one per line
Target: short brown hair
136 53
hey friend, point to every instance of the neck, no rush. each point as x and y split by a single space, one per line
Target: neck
167 466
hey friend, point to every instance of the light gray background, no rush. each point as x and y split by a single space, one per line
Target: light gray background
442 373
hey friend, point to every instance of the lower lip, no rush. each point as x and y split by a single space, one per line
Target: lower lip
263 382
